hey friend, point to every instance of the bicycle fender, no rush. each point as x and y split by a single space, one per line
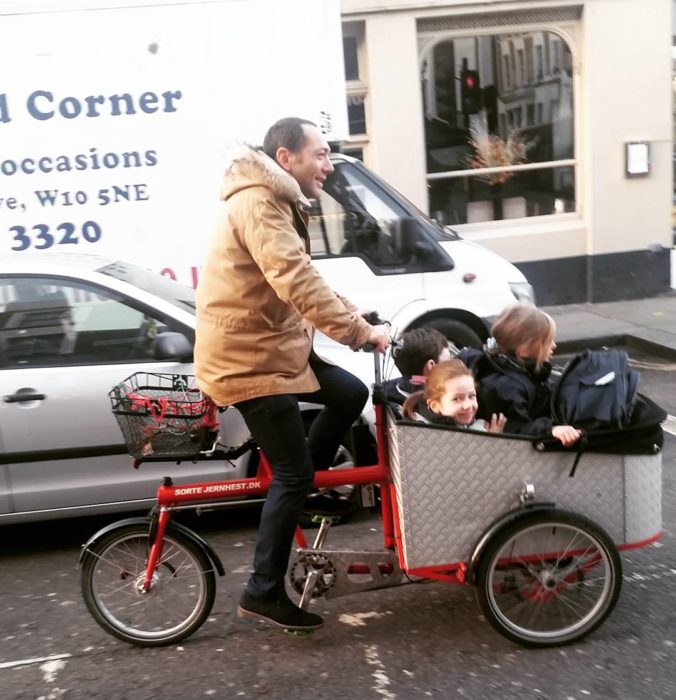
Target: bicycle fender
196 539
105 530
497 525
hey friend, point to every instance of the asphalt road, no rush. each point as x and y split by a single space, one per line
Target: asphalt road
415 641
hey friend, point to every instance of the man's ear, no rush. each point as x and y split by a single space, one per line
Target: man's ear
283 157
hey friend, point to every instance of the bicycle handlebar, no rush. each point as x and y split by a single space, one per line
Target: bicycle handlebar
373 319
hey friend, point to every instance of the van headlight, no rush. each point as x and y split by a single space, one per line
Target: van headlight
523 292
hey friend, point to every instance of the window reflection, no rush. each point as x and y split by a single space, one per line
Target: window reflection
48 322
527 193
508 86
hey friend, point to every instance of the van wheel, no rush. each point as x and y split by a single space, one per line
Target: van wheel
459 333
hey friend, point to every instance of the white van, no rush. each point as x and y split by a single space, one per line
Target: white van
114 129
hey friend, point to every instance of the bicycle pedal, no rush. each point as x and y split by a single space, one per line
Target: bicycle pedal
299 633
318 519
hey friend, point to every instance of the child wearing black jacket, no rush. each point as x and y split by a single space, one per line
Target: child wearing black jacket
513 369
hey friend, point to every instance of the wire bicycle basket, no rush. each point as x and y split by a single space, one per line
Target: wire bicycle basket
164 415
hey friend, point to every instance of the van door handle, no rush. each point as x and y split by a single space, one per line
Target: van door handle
25 394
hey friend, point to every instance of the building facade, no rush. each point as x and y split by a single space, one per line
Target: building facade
541 129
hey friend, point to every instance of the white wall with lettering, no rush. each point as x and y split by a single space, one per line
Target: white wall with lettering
114 122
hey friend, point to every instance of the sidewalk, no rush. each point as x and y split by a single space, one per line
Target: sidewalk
648 324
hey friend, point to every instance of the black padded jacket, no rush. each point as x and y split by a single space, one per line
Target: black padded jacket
514 388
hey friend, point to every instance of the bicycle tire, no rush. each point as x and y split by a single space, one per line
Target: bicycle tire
178 603
533 580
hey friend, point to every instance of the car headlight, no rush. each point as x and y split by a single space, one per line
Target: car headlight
523 292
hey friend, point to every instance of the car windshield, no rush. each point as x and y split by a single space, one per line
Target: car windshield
163 287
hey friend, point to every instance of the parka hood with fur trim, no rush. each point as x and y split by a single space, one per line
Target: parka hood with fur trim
250 167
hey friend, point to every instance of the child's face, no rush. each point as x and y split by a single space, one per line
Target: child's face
458 401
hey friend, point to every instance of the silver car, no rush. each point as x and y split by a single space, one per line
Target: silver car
71 327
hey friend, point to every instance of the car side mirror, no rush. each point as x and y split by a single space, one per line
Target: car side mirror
172 346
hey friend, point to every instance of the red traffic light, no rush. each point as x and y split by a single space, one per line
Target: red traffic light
469 81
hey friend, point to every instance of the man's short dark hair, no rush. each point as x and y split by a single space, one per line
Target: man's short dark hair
286 133
418 346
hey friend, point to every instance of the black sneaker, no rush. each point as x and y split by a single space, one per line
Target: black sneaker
280 612
323 504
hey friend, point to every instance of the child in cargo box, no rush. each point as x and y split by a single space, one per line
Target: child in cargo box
513 371
416 353
449 398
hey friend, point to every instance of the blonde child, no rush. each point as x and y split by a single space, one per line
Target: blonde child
513 369
449 398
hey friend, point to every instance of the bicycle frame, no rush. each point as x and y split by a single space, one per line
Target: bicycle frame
169 497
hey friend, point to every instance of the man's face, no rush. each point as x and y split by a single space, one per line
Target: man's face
310 165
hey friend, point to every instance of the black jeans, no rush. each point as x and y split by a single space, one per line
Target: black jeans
277 427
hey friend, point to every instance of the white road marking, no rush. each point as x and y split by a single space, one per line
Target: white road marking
669 425
654 572
38 660
357 619
379 674
49 669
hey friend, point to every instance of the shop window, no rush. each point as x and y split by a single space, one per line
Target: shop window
351 58
356 115
499 126
354 51
355 152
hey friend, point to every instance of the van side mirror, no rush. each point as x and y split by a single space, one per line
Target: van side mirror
408 241
172 346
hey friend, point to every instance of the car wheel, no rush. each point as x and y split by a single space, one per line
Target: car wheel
459 333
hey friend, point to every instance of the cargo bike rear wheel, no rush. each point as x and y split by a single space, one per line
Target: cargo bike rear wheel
548 578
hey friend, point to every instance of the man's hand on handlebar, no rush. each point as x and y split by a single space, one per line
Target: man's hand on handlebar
379 338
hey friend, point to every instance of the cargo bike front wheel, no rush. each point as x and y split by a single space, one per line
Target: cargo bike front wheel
548 578
181 594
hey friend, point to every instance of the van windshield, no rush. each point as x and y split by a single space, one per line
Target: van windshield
358 212
411 209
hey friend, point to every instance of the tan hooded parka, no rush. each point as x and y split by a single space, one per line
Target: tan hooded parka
258 295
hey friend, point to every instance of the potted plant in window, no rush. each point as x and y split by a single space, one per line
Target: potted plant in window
491 151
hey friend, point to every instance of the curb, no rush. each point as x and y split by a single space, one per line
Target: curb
566 347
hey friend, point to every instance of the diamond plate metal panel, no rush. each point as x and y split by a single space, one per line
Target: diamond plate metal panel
643 497
452 484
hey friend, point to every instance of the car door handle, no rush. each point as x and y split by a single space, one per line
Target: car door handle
24 395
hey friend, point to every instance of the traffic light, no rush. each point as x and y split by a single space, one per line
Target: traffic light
490 95
470 91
